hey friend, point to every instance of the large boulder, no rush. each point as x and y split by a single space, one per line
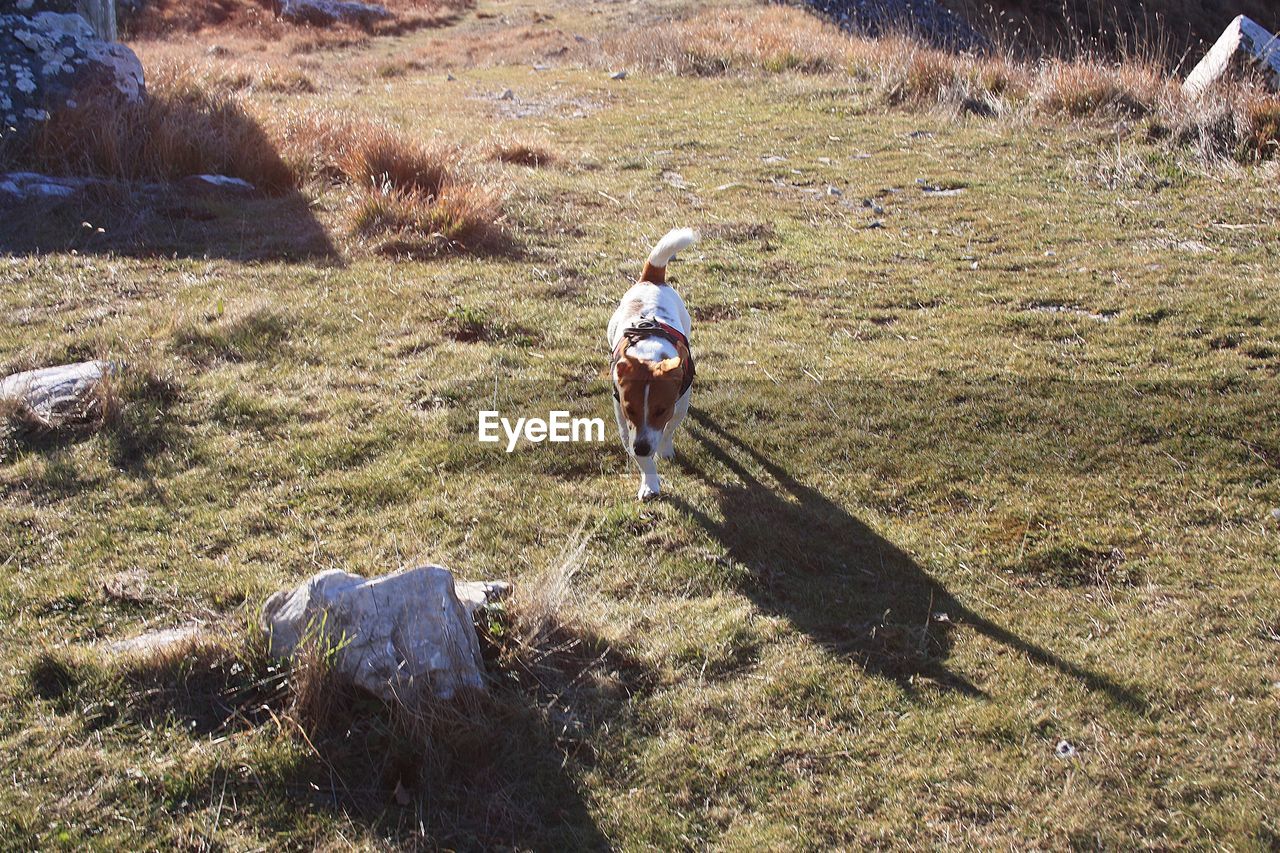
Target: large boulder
54 397
101 14
399 636
53 61
1244 46
325 12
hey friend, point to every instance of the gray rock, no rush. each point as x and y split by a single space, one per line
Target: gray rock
1243 45
396 636
217 185
155 642
53 61
20 187
323 13
58 396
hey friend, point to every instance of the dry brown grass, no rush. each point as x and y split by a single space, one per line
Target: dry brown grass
380 156
257 18
411 197
719 41
463 216
781 38
545 604
1079 89
519 151
414 196
1228 124
1240 122
184 127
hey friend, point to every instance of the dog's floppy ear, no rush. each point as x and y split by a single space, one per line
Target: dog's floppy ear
624 367
667 365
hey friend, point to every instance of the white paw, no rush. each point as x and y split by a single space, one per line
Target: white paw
647 492
667 452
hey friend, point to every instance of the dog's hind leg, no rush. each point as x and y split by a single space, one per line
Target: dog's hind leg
668 448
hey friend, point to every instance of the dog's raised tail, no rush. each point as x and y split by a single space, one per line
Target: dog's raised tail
677 240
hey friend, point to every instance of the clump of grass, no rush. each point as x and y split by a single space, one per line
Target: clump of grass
258 334
1071 564
1078 89
287 81
1230 123
545 603
907 74
411 197
140 422
394 68
380 157
185 126
462 216
518 151
775 38
470 323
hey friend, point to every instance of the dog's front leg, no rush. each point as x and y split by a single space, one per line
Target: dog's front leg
649 485
623 432
668 448
648 468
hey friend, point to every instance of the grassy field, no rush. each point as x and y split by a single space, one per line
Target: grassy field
969 538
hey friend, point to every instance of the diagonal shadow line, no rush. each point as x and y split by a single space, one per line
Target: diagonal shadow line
931 668
814 506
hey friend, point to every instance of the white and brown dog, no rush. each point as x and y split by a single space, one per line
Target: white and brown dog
652 366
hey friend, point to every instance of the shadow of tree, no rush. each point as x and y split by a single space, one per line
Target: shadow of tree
839 581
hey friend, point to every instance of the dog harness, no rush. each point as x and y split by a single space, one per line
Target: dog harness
652 327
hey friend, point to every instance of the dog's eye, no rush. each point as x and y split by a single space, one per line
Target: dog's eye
657 413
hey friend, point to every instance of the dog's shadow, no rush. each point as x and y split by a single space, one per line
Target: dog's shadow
837 580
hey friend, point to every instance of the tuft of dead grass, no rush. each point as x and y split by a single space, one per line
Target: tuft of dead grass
410 197
1229 124
719 41
157 19
519 151
462 216
381 157
1079 89
184 127
545 603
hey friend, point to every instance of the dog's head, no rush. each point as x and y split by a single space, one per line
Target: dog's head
647 392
